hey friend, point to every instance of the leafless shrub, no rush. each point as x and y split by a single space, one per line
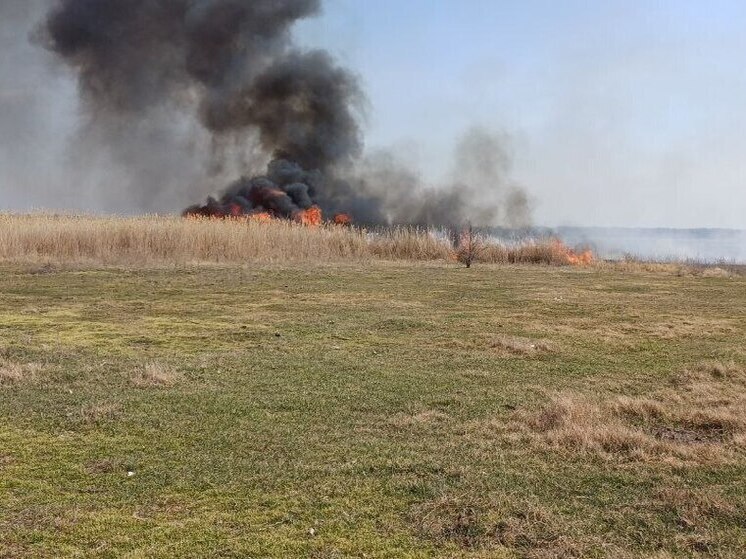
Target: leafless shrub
469 246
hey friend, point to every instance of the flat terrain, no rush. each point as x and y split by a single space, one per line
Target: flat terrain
378 410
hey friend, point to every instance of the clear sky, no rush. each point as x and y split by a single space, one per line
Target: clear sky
629 113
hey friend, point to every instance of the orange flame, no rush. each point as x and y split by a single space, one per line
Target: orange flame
572 257
262 217
342 219
312 216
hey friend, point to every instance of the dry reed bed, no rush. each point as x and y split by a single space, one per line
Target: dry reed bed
172 240
152 239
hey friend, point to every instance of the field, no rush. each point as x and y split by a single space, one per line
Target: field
369 408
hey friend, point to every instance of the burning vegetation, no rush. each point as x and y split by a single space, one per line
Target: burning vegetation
284 193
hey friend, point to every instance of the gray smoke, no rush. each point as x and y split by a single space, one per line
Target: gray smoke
479 191
30 100
178 97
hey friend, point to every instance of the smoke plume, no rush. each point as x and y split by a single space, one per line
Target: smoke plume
183 94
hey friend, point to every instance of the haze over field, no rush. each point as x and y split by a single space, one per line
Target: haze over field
619 114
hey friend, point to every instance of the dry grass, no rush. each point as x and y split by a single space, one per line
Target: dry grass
409 244
474 523
700 417
148 240
531 252
43 241
516 345
682 269
155 375
12 372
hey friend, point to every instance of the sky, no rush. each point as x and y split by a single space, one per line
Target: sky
616 113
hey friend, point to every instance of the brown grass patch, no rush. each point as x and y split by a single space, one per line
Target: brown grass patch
517 345
12 372
6 460
699 417
156 375
694 509
475 523
105 466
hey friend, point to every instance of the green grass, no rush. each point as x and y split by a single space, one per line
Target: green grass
349 412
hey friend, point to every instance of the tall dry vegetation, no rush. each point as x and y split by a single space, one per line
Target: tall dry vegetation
155 239
173 240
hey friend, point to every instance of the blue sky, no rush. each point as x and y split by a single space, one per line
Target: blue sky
620 113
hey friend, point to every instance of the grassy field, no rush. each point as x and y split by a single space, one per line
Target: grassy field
371 410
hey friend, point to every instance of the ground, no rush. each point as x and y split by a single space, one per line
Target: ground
377 410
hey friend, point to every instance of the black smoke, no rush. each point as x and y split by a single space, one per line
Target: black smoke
150 71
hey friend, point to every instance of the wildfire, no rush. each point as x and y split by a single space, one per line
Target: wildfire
261 217
573 257
342 219
312 216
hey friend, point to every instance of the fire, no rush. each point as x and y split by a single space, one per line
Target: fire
261 217
572 257
342 219
312 216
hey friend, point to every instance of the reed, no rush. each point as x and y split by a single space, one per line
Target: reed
153 240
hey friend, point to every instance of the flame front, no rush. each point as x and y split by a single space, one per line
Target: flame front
312 216
571 256
342 219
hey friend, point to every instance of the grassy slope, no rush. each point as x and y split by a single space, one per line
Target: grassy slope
356 403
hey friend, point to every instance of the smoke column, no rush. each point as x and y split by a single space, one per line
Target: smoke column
172 87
